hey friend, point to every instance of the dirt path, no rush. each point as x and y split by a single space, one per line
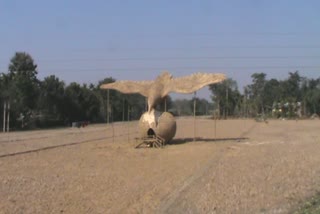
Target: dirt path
251 168
272 172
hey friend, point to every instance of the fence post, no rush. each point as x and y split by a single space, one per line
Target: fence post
8 120
4 115
128 123
194 117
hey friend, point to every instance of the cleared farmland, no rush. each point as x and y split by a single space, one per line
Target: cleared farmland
233 166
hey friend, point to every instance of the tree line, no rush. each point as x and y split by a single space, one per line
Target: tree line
34 103
295 96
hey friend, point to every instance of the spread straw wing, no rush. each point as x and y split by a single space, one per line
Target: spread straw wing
194 82
129 87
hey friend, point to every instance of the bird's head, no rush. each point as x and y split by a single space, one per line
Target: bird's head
164 77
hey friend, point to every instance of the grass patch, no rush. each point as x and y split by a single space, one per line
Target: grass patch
312 206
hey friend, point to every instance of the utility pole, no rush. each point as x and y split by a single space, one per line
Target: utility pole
128 122
165 104
123 109
8 121
207 103
108 105
4 115
227 100
245 105
194 116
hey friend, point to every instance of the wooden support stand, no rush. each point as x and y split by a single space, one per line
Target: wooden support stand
151 141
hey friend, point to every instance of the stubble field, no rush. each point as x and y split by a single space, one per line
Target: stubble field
233 166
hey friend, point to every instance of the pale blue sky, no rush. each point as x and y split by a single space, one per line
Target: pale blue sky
86 41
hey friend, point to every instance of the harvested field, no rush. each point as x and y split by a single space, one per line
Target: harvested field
241 166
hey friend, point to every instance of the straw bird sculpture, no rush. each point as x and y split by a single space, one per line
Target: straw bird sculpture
162 125
156 90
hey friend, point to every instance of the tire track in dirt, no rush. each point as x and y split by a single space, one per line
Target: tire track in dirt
62 145
52 147
31 137
175 198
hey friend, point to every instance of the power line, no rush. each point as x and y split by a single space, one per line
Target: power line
88 60
115 49
155 49
251 33
199 68
131 69
187 34
159 68
177 58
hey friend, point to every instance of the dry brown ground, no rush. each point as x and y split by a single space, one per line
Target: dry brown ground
250 168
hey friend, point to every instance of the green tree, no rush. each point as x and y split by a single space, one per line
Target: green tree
122 106
117 102
137 105
22 86
80 103
257 92
291 88
272 94
52 96
226 97
202 106
182 107
165 104
310 92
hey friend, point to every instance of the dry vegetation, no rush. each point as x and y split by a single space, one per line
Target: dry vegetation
243 167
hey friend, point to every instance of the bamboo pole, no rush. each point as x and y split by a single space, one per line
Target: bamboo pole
215 127
8 121
4 115
108 106
194 117
128 123
123 109
165 104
